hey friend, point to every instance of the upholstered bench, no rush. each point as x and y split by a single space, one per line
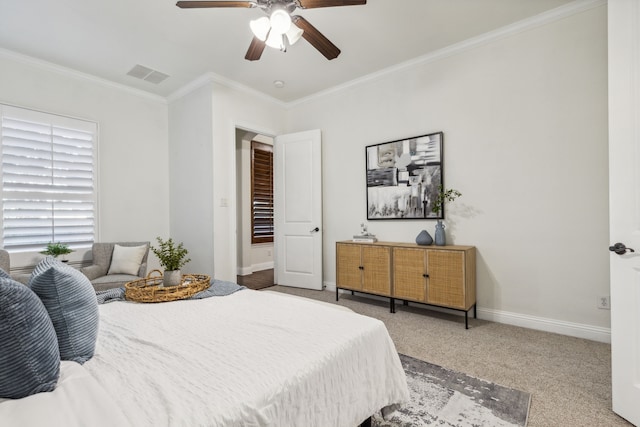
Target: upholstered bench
105 272
5 265
5 261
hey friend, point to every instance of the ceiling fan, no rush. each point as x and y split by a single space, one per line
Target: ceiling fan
280 28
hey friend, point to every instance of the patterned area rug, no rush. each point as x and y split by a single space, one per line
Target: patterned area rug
440 397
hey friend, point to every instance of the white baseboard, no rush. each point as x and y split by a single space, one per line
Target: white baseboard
245 271
329 286
578 330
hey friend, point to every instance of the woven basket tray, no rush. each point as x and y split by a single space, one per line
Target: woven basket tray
151 289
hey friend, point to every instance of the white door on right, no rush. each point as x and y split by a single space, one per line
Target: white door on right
624 200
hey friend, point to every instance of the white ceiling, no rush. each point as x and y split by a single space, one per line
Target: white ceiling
106 38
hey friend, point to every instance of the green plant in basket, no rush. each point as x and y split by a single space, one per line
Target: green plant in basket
171 256
56 249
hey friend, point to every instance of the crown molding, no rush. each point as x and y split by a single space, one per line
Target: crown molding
211 77
193 85
570 9
69 72
544 18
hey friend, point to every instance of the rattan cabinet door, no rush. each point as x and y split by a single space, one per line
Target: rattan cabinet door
409 268
376 263
446 284
349 273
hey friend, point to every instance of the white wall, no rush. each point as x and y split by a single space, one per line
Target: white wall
243 205
525 124
233 109
212 228
191 176
525 140
133 191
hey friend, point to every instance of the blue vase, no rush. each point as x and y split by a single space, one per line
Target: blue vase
440 237
424 238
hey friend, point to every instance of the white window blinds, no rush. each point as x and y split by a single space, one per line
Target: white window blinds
48 179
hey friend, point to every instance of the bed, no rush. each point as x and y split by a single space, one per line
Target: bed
247 359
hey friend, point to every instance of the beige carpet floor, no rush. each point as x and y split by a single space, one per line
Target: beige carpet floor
569 378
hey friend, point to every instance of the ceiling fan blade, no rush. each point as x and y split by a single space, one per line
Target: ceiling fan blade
199 4
255 49
311 4
315 37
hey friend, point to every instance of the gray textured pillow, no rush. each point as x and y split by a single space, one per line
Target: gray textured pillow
4 274
71 302
29 356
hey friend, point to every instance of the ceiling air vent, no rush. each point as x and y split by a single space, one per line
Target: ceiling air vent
147 74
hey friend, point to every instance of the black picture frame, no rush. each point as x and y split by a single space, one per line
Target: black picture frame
404 177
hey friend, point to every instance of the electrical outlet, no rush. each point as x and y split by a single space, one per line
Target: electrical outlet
604 302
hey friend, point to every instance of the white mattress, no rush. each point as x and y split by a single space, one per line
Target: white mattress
248 359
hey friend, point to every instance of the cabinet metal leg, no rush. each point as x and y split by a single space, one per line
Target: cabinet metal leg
337 289
405 302
466 320
392 305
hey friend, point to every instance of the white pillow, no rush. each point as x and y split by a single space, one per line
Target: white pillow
127 259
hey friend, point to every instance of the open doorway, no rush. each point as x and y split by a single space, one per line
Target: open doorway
254 201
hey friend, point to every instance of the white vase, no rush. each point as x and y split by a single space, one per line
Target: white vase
171 278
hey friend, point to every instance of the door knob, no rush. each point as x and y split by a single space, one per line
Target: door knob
315 230
620 249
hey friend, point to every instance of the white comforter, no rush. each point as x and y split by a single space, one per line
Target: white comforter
247 359
77 401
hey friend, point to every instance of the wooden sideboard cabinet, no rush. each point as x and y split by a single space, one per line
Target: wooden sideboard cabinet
364 268
443 276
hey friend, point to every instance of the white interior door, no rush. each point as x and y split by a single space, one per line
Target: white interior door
297 186
624 199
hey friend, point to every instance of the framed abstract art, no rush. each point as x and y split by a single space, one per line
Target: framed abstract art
404 177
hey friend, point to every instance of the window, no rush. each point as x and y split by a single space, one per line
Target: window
261 192
48 179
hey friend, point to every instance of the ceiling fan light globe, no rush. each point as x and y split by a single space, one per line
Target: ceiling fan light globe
280 21
275 41
260 27
294 34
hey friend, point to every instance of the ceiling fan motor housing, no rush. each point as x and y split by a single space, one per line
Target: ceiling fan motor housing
270 5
